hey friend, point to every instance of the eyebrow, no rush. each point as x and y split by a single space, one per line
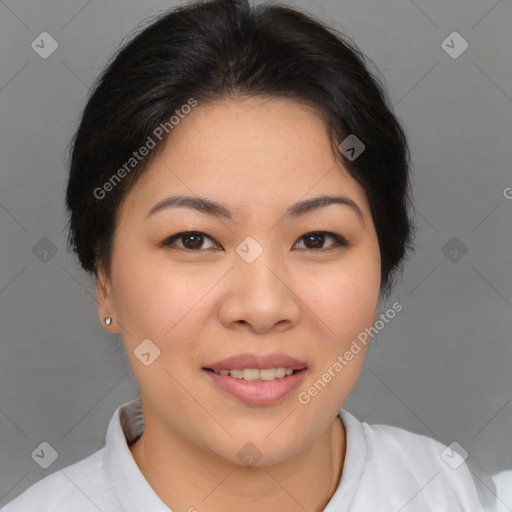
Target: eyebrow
216 209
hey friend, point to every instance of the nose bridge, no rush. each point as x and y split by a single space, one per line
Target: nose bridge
257 292
257 267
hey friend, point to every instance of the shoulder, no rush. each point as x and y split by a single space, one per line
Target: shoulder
503 484
81 487
413 465
403 446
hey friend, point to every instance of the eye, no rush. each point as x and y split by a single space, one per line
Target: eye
195 241
191 240
316 240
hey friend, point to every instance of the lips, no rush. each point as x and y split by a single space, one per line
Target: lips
261 362
257 392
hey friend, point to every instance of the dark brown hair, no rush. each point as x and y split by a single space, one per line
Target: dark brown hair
226 48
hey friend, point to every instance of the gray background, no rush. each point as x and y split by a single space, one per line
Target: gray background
441 367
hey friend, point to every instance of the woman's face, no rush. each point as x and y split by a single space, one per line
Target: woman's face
249 281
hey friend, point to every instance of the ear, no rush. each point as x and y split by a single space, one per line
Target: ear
105 301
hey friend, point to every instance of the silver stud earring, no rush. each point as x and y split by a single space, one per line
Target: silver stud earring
108 320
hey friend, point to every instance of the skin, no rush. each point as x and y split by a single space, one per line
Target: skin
257 157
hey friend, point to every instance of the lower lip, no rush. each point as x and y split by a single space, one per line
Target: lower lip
258 392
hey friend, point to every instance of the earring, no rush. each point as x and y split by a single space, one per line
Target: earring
108 320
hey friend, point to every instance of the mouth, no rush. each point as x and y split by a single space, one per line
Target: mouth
252 374
254 386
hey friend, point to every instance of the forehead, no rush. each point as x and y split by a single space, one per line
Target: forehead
251 153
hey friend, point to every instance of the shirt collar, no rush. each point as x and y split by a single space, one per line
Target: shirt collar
130 486
135 494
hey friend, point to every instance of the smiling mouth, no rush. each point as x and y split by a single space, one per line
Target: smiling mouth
252 374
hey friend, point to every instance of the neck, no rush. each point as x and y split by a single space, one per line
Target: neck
184 475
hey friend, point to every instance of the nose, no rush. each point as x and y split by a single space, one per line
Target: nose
259 296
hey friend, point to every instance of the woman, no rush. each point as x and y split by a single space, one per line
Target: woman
239 188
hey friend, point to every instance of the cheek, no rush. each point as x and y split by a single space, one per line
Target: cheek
162 305
344 296
155 297
159 300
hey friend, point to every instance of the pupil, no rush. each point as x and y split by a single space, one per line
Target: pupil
194 245
195 240
319 238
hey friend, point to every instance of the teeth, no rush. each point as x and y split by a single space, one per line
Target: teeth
256 374
251 374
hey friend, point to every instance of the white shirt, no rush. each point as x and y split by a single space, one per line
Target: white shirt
503 483
386 469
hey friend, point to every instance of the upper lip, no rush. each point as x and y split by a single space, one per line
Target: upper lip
262 362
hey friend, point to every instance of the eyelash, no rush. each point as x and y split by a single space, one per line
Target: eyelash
339 241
